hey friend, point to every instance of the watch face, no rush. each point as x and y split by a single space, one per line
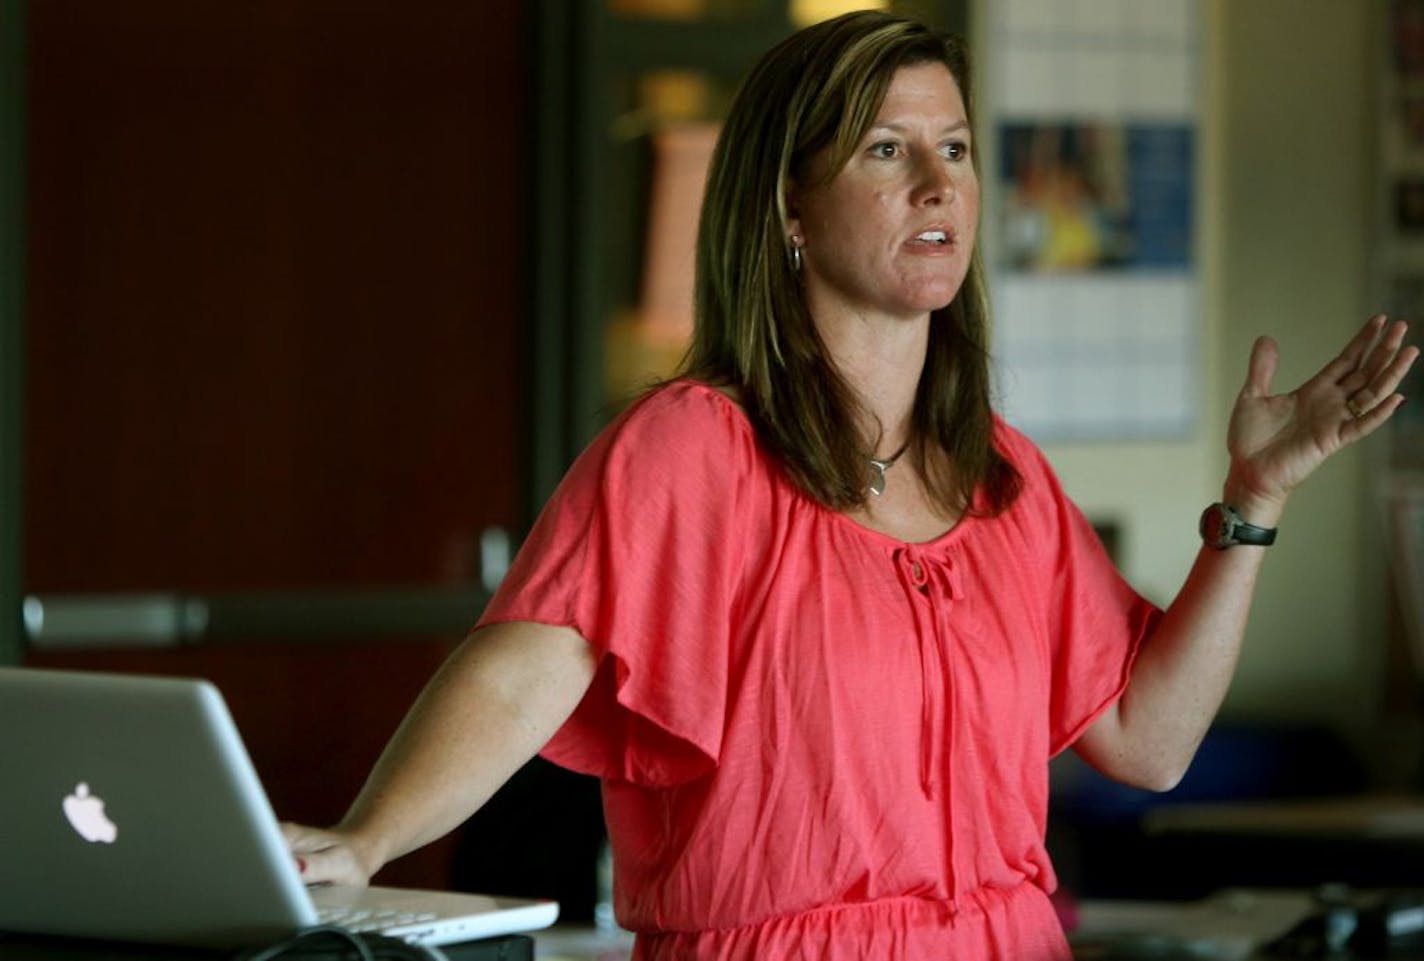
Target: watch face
1216 526
1221 527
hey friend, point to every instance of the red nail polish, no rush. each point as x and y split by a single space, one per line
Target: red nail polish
301 866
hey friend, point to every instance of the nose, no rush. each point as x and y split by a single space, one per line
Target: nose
935 181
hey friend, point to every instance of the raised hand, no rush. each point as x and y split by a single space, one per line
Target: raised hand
1277 440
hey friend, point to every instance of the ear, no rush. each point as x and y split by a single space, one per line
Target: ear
793 210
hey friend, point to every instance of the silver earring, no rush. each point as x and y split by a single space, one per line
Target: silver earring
796 254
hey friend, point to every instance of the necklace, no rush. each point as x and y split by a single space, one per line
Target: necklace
879 467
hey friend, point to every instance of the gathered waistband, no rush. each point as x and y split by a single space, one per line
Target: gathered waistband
1016 923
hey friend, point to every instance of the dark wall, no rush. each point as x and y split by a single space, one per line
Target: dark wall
277 294
278 311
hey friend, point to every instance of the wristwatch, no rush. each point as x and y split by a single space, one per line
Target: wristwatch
1221 527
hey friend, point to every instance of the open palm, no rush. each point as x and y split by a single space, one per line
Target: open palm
1277 440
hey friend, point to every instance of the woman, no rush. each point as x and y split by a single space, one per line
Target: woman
816 618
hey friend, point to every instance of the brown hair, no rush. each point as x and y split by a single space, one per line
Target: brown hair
821 89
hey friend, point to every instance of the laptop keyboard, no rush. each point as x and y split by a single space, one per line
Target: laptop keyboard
364 921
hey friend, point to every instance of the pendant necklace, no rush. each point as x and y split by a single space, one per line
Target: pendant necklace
879 467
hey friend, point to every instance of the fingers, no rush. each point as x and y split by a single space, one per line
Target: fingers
1382 352
1382 385
334 865
1380 373
1348 363
323 857
1387 349
1262 368
304 840
1371 419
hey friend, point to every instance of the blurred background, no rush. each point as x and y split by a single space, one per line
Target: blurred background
305 305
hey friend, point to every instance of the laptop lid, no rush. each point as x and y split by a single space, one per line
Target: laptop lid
129 810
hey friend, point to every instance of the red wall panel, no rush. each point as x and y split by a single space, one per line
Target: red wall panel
276 334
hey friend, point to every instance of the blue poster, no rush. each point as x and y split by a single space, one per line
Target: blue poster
1097 196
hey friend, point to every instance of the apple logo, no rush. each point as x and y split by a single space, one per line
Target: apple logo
85 813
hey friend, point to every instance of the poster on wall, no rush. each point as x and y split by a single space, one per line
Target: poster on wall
1097 310
1096 195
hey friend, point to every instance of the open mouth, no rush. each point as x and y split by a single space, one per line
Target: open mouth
932 237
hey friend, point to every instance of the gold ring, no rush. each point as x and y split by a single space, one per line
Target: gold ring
1353 408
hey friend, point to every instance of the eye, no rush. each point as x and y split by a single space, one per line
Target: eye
884 150
954 150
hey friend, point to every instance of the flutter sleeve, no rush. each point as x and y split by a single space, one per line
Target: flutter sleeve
1096 620
638 551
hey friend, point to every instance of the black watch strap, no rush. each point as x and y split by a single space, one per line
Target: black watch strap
1221 527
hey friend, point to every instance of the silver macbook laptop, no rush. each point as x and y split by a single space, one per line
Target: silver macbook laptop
129 810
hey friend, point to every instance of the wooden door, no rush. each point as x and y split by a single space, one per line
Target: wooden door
276 335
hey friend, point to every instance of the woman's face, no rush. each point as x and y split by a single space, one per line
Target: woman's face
891 234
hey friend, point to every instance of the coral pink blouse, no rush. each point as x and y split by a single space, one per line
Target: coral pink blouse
815 740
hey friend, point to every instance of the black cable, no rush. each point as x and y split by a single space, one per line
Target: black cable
348 945
332 943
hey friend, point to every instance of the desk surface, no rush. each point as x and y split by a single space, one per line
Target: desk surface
1363 818
1228 926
